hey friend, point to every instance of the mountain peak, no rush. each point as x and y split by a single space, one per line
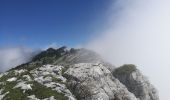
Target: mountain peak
51 50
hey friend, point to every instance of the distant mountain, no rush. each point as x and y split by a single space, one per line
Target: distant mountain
75 74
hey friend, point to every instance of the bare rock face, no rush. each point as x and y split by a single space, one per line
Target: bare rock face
136 82
90 81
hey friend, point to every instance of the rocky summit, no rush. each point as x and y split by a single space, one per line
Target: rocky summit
74 74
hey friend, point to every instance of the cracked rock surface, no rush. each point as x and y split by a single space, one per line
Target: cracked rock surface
91 81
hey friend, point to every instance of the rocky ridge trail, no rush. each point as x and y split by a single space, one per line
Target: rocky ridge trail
75 74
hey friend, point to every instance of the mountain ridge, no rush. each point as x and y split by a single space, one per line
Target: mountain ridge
75 74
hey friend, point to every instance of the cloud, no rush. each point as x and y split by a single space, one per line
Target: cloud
52 45
13 56
139 33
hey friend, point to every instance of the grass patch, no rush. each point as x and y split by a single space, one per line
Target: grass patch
57 80
9 86
13 94
9 75
125 69
41 92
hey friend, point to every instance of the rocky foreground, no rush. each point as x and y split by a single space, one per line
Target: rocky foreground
75 74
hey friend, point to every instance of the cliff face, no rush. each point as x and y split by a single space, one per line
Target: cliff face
135 82
95 82
76 74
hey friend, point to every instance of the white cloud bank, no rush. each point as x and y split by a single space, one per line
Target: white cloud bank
139 33
11 57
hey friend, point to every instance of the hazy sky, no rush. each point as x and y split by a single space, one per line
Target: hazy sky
139 33
13 56
122 31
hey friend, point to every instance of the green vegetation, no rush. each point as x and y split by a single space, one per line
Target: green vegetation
49 55
45 57
9 75
57 80
125 69
8 87
41 92
54 79
13 94
20 66
28 66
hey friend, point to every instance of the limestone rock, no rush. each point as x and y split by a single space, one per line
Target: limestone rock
136 83
90 81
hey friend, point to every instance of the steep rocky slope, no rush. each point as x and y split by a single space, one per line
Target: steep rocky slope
135 82
95 82
75 74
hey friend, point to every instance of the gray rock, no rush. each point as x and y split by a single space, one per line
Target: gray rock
136 83
89 81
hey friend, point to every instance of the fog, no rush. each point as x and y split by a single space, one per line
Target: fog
138 33
12 56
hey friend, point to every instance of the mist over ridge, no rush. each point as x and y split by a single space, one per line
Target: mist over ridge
138 33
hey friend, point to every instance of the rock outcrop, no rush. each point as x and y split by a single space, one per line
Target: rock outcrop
95 82
135 82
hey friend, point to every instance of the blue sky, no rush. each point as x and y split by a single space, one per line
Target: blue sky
37 23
